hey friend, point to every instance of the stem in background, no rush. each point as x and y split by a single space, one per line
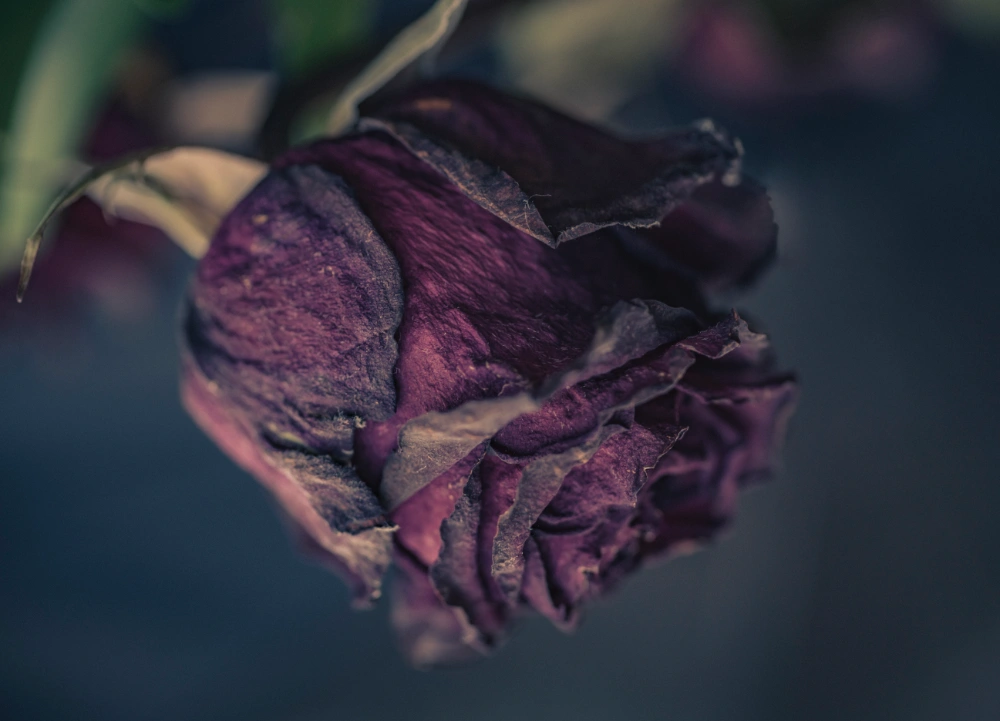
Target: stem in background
291 97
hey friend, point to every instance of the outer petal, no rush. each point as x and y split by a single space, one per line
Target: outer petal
431 633
721 236
587 524
552 177
289 336
735 409
336 516
720 429
556 178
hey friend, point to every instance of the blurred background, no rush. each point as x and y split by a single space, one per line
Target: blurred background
144 576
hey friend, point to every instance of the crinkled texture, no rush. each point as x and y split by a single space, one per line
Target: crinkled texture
293 368
721 236
716 432
682 429
544 173
391 333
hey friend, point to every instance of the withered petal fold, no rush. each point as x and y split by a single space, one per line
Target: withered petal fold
546 174
431 633
721 236
336 516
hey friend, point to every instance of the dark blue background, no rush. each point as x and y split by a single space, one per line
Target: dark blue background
144 576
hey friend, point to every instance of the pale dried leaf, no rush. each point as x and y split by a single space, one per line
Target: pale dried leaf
185 192
419 39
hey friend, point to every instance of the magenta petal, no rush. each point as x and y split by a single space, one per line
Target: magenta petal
419 518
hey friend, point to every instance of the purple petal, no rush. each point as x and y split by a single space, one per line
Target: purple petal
551 176
491 315
336 515
290 344
587 524
430 632
721 236
461 573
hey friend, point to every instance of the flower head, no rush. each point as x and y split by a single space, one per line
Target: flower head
472 338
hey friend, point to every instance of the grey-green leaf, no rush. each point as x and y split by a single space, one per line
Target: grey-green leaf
72 61
421 38
185 192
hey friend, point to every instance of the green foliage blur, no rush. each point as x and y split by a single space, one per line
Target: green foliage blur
20 25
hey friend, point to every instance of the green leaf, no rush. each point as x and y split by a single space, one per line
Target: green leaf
20 25
312 31
420 39
185 192
979 17
68 70
164 9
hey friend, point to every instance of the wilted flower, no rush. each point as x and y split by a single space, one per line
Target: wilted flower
471 338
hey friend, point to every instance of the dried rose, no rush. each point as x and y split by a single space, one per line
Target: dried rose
471 338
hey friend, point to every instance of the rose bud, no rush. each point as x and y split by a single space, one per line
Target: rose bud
471 338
